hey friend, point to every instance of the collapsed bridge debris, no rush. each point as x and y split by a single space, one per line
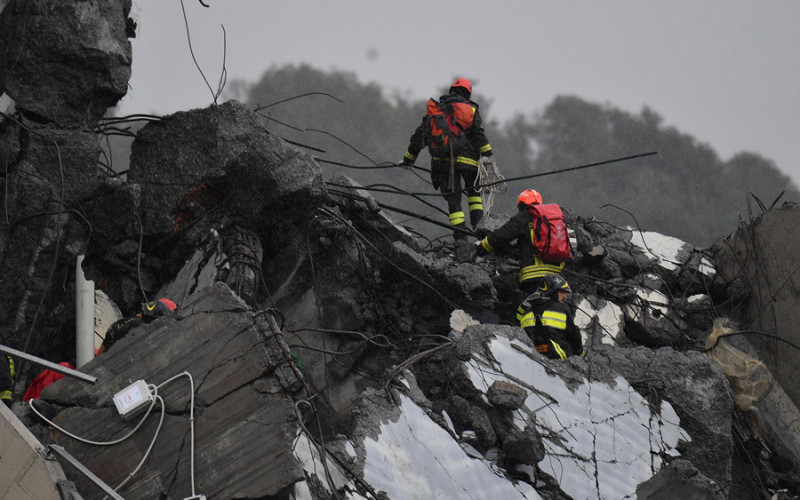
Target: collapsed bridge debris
317 345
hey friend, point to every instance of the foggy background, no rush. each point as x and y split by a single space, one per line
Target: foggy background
726 73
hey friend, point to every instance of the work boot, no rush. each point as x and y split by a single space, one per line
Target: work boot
462 245
475 217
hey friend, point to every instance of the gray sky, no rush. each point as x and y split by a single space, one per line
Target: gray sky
725 72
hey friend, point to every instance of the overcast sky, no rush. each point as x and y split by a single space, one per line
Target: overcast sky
726 72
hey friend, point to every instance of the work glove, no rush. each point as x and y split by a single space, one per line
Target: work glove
406 164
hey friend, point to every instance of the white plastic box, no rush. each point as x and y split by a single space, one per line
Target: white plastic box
133 400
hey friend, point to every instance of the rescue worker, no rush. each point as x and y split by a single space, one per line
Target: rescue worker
532 268
149 312
549 321
44 379
448 171
6 379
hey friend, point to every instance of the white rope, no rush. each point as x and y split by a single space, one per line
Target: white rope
488 173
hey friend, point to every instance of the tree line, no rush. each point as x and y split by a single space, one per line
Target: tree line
361 130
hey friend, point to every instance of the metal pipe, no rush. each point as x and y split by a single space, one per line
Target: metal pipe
50 365
86 472
84 316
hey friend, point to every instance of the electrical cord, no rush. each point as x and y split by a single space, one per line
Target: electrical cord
99 443
149 448
191 419
155 397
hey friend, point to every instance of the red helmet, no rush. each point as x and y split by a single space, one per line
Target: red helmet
463 83
530 197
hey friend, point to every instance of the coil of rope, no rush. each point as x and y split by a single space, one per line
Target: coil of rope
489 181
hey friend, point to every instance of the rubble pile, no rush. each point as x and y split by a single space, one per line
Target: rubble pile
320 350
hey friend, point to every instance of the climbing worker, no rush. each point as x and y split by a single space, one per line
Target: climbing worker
452 130
149 312
6 379
522 227
549 321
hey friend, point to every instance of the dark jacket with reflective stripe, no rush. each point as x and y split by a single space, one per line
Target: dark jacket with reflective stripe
119 329
477 143
519 228
552 320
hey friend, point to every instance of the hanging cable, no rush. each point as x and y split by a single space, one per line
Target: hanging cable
512 179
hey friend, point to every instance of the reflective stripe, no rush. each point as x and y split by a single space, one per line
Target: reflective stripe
555 320
527 320
457 218
461 159
475 203
6 395
409 156
486 245
539 269
487 147
559 350
467 161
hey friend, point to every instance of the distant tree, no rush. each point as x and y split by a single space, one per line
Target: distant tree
685 191
356 129
749 177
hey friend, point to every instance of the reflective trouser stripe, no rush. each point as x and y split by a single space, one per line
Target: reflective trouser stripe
5 395
460 159
475 203
526 320
539 270
486 245
559 350
554 319
409 156
543 348
457 218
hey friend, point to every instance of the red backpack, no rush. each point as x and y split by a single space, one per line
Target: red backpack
444 126
549 233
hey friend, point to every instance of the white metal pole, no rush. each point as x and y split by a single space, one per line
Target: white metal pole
84 316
